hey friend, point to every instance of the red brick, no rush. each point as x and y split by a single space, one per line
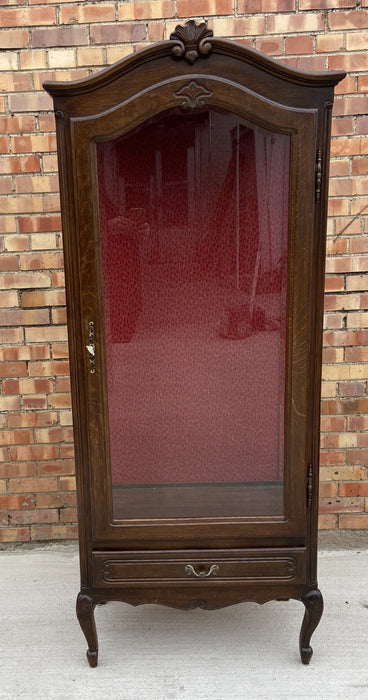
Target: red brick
353 522
68 515
34 452
357 457
360 166
333 423
8 263
67 451
340 168
15 82
329 441
332 458
56 500
60 467
353 146
32 402
322 4
326 43
299 44
349 62
41 261
16 437
13 369
32 420
86 13
33 517
60 401
284 24
117 33
39 224
15 39
263 6
352 489
30 102
186 8
351 388
334 284
33 142
60 350
341 505
53 435
67 483
342 126
14 469
54 532
38 183
344 406
4 144
53 368
8 300
16 502
327 490
49 298
62 384
356 354
59 36
12 387
330 355
24 352
27 16
362 125
271 47
347 20
24 280
351 105
14 125
327 522
33 485
345 337
11 534
10 317
16 164
45 334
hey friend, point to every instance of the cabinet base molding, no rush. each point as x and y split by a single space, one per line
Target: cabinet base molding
201 596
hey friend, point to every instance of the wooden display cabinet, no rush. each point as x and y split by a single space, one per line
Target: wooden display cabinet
194 181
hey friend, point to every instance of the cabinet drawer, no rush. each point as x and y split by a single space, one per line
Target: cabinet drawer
115 569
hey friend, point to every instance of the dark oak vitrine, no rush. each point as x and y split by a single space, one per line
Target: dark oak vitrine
194 180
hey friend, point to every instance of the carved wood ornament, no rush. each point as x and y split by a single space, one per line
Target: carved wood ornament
191 40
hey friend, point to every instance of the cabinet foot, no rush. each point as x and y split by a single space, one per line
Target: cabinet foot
86 617
313 603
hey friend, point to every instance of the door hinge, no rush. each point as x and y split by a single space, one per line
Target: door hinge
309 485
318 174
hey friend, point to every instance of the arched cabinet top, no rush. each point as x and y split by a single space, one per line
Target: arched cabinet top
192 51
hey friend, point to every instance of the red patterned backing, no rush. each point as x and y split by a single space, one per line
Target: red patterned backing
193 223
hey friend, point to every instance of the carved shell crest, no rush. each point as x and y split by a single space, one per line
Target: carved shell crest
191 40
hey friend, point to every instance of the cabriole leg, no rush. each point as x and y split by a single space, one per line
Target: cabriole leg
313 602
86 617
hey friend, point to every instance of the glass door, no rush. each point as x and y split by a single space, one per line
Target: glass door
193 221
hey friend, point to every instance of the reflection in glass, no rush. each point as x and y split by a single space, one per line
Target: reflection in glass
193 224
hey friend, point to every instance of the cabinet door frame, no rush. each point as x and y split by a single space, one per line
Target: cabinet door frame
301 125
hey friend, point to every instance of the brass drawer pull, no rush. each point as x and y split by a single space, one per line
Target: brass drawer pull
213 571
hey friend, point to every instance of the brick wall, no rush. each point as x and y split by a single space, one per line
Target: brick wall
43 39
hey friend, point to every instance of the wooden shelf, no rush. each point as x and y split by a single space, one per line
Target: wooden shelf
198 500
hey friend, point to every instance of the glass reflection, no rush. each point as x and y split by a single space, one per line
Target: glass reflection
193 224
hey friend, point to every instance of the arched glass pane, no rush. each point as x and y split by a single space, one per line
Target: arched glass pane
193 222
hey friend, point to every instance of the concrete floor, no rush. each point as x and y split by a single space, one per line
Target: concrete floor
157 653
